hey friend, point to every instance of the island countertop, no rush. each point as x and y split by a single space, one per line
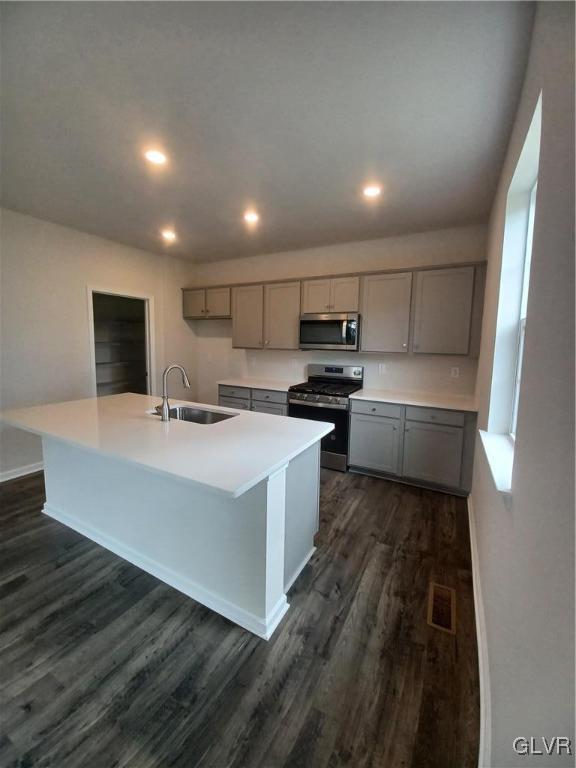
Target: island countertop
228 457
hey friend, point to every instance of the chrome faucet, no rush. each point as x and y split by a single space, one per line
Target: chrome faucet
163 410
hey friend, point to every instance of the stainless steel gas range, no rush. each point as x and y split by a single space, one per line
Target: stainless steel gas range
326 397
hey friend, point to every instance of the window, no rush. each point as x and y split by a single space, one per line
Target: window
499 437
523 309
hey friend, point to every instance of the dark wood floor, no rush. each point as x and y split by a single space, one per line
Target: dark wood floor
102 665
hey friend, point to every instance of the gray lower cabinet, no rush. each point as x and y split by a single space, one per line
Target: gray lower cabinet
375 442
273 408
433 453
431 446
234 402
258 400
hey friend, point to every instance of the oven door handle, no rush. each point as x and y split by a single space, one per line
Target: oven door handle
333 406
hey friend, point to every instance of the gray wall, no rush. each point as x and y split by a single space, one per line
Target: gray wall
526 548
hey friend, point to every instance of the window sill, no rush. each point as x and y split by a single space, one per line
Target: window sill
499 450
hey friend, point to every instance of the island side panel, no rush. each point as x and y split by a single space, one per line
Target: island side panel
302 511
211 547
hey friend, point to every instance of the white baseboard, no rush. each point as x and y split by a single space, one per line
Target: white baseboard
485 746
298 570
27 469
253 623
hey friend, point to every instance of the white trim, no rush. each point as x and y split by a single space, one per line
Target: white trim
485 746
27 469
148 298
258 626
298 570
499 451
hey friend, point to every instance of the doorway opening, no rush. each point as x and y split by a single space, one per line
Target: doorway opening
121 344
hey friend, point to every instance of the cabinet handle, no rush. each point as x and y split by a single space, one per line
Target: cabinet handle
394 429
373 410
407 429
404 346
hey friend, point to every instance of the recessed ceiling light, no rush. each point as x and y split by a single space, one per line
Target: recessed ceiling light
155 156
251 217
372 190
169 235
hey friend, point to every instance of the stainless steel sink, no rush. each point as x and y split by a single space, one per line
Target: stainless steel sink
197 415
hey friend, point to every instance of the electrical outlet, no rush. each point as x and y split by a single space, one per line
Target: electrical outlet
454 372
381 369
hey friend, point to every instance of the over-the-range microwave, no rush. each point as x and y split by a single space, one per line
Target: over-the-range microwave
333 330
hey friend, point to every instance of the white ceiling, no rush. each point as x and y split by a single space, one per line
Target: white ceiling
287 106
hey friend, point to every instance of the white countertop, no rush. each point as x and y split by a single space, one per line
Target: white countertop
230 457
424 399
254 383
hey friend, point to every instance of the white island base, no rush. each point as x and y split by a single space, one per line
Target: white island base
237 556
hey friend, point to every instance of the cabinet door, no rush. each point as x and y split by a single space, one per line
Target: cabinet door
344 294
218 302
386 312
281 315
442 311
194 302
375 443
316 295
247 316
433 453
273 408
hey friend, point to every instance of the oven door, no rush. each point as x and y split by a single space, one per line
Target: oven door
329 331
334 446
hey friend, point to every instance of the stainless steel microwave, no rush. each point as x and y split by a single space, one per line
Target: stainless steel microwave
333 330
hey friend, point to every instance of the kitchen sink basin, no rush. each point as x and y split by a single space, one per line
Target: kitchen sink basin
198 416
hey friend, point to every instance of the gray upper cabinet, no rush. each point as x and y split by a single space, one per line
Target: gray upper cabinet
316 295
281 315
433 453
336 294
202 303
247 316
442 310
385 308
345 294
375 443
194 303
218 302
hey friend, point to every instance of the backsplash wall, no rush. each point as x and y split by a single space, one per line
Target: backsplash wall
216 359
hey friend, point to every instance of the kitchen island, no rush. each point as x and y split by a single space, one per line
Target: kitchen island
224 512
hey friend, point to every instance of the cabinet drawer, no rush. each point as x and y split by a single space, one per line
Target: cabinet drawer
273 408
269 396
435 416
373 408
234 402
241 392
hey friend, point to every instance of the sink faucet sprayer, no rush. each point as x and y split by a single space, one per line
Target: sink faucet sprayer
164 409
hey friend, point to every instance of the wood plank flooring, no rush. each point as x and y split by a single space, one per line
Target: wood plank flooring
103 666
